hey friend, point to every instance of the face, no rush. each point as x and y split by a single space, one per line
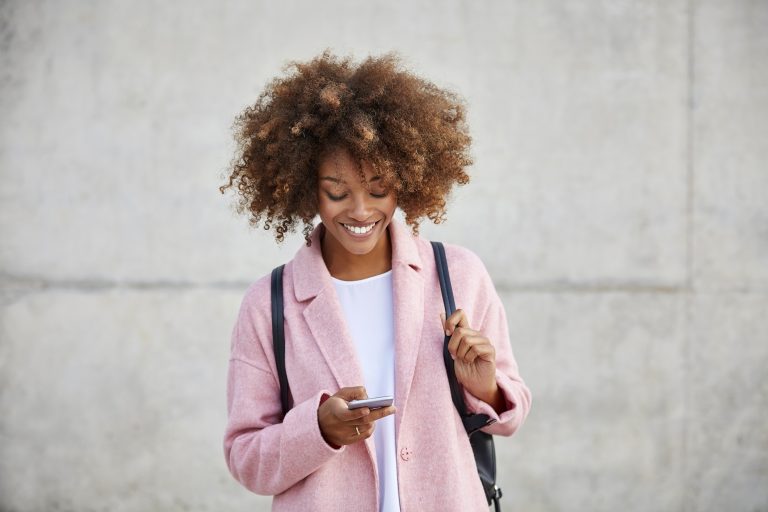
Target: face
354 217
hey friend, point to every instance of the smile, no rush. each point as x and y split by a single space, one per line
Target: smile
360 230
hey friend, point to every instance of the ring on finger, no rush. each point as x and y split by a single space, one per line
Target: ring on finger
357 430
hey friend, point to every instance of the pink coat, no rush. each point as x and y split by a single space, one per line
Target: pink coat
290 460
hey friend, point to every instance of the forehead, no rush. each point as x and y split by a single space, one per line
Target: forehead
338 165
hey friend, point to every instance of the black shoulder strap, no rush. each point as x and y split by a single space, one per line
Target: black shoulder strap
472 422
278 336
450 307
482 443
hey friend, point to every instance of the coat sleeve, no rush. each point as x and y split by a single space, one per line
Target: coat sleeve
264 454
516 394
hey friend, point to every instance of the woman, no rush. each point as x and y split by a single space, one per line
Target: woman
362 302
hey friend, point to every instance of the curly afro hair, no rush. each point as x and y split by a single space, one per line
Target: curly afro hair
413 134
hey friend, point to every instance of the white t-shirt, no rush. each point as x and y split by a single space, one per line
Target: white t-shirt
369 310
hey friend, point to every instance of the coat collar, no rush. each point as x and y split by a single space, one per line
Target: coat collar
314 276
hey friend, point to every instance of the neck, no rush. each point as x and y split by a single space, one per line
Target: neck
352 267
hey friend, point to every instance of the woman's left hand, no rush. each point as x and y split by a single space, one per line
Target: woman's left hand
474 357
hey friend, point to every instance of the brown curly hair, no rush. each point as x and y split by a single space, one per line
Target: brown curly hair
413 134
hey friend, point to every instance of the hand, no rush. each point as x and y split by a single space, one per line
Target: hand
474 357
340 425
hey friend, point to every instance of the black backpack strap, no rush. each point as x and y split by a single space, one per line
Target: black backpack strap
472 422
482 443
278 336
450 307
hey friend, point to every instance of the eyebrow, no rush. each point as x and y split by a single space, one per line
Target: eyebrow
337 180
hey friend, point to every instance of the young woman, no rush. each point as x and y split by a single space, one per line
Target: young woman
362 302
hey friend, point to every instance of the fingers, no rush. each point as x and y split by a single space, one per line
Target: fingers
457 319
352 393
363 414
339 400
456 338
474 348
363 427
367 424
377 414
455 322
467 345
346 414
341 425
361 432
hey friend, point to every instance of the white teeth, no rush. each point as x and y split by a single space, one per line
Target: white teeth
360 230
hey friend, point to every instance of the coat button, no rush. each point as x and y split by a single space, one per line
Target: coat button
405 453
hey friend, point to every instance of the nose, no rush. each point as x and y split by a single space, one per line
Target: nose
361 210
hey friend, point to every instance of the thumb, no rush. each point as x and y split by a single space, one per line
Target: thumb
352 393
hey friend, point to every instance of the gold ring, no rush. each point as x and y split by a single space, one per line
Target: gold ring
357 430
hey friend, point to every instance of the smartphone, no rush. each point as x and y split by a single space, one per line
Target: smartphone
372 403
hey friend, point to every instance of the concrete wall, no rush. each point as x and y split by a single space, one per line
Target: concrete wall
619 199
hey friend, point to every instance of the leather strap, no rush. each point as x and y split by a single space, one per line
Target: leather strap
482 443
450 307
278 337
472 422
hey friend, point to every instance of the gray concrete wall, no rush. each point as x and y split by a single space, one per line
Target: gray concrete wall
619 199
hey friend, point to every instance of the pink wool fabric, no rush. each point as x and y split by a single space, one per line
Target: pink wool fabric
291 460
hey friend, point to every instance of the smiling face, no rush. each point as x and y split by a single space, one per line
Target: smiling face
355 218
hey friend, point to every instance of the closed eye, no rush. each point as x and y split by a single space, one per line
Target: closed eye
343 196
335 198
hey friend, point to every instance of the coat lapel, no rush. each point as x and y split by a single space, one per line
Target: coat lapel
324 316
325 319
408 293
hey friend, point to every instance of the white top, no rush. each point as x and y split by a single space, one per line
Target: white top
369 310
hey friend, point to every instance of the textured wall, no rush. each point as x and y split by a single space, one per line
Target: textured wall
618 198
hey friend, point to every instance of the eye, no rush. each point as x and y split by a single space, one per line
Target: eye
380 196
335 198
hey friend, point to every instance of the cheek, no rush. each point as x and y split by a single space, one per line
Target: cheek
325 215
324 206
391 205
330 210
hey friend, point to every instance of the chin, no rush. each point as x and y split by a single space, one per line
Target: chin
359 251
359 248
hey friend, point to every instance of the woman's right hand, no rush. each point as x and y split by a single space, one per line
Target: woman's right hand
340 425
